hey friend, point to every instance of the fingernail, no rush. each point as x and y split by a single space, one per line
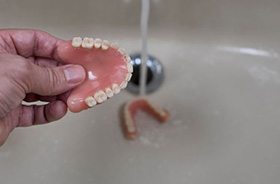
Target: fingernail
74 73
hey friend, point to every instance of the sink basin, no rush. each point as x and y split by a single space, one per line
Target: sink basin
222 88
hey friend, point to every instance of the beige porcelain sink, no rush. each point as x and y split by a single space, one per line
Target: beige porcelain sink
222 88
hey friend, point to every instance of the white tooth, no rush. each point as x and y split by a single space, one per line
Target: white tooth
128 77
105 45
97 43
130 127
129 67
122 51
114 45
162 113
77 41
90 101
116 89
87 43
123 84
127 58
103 95
100 96
109 92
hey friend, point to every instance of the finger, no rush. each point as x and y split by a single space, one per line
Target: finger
35 115
53 81
29 43
31 97
63 97
45 62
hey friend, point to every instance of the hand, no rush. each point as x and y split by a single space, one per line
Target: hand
30 70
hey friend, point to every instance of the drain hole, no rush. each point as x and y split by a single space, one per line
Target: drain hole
155 74
136 75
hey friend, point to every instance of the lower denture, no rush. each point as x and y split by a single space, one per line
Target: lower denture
108 70
130 110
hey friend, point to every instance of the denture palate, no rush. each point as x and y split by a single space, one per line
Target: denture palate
108 70
140 104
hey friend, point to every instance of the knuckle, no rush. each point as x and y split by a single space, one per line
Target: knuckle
54 79
18 68
23 69
22 74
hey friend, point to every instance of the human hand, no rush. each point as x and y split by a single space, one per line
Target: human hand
30 70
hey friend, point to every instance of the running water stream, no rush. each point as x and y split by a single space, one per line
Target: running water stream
145 10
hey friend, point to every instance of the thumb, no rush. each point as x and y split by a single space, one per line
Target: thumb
53 81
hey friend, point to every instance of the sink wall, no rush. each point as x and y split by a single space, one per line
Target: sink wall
222 88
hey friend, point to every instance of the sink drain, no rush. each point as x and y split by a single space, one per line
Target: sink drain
155 74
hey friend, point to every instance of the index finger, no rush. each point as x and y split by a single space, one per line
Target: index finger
29 43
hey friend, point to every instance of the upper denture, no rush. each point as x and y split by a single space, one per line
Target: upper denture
108 70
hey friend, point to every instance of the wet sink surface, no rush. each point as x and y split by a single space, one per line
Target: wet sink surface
223 91
224 100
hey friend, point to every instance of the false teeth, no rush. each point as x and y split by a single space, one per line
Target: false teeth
77 41
128 77
90 101
121 51
105 45
129 67
114 45
91 54
97 43
100 96
109 92
87 43
127 58
116 89
123 85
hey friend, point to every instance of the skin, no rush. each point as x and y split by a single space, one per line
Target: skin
30 70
